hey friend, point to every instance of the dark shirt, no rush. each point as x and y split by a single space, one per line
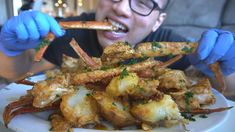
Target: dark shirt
87 39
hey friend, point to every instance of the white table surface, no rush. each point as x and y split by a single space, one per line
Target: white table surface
227 126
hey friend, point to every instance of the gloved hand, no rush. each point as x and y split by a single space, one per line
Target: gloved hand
215 45
26 31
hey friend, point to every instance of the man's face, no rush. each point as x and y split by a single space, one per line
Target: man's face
136 27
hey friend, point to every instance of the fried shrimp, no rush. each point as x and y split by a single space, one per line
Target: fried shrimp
152 112
79 108
114 110
126 87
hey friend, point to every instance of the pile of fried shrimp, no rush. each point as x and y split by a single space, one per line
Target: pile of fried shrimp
126 87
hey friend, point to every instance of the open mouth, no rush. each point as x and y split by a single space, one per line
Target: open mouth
121 27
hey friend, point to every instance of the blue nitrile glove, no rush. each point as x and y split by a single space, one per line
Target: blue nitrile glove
215 45
26 31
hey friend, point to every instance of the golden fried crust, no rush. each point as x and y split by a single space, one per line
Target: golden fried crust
146 89
173 79
98 75
113 110
152 49
59 124
118 52
121 86
77 65
180 100
79 109
202 91
48 91
152 112
133 86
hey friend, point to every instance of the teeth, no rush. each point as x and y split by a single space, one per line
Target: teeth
116 24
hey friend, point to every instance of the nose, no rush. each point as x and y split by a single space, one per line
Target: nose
122 8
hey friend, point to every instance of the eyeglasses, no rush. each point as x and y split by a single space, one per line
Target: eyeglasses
142 7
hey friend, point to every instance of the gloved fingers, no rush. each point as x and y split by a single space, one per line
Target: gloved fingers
41 22
200 65
230 54
21 32
206 44
30 26
15 29
54 26
221 47
204 68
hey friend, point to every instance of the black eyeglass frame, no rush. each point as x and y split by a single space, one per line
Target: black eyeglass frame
155 6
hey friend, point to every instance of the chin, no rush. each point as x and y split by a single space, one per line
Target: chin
105 43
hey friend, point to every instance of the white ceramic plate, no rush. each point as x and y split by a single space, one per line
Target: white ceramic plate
38 122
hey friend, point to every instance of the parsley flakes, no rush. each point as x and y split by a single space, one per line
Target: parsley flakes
155 46
188 95
187 50
124 73
42 44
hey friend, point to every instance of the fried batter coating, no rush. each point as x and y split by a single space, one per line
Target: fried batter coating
77 65
152 112
60 124
202 92
133 86
79 108
50 90
173 79
146 89
99 75
180 100
113 110
122 85
118 52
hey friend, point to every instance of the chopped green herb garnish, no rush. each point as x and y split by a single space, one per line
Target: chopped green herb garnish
104 68
124 73
132 61
188 116
51 129
203 116
126 43
170 56
114 104
182 82
57 95
143 101
155 46
50 117
88 94
143 58
141 89
188 95
42 44
192 119
125 108
121 65
187 50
